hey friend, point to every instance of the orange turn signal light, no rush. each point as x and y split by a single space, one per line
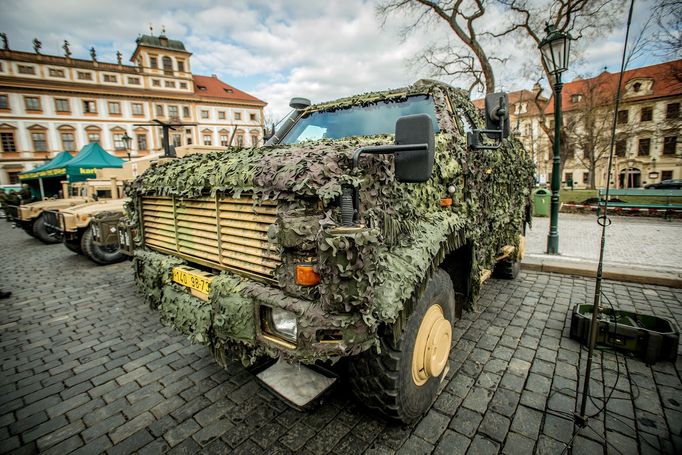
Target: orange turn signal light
446 202
306 275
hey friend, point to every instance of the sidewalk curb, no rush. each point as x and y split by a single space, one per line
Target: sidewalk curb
610 272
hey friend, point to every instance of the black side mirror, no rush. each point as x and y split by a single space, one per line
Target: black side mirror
497 113
414 165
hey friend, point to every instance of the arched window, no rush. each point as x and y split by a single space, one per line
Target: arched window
167 66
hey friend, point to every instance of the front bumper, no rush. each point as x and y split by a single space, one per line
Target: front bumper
231 319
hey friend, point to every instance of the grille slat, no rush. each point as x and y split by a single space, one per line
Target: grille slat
228 233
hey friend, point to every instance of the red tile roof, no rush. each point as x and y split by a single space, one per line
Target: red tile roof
527 96
212 87
663 75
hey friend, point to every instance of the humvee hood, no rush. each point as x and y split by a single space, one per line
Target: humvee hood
96 207
316 168
56 203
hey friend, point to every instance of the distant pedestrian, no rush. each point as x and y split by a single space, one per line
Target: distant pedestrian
25 194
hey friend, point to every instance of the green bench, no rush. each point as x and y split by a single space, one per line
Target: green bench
668 206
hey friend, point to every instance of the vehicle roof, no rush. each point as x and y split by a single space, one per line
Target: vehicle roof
421 87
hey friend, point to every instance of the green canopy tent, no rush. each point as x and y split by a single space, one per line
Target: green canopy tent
81 167
34 177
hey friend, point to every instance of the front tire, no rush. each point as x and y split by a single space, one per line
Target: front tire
73 246
40 231
401 383
101 255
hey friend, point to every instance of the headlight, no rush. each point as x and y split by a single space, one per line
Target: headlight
281 323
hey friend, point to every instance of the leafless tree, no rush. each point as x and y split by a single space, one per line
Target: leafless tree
588 124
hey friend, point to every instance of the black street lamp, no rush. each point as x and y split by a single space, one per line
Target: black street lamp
126 142
555 49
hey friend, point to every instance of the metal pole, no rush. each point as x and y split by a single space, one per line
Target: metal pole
553 236
42 190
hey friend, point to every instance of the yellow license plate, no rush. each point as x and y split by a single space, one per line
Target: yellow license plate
194 279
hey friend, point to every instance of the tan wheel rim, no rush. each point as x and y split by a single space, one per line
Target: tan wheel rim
522 248
432 346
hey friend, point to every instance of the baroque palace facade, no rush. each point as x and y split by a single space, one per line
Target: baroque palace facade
648 133
53 103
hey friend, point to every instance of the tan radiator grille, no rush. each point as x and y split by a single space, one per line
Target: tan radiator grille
223 232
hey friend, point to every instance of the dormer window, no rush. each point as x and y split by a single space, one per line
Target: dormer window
228 90
637 86
201 87
576 98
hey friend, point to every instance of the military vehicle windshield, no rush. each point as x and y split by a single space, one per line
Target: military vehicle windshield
375 118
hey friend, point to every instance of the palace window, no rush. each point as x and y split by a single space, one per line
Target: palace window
204 114
26 69
167 66
647 114
153 62
620 147
181 66
644 145
586 177
666 175
254 140
68 141
670 145
224 140
54 72
623 116
170 84
89 107
185 111
672 111
176 139
7 141
62 105
93 136
207 139
183 85
39 139
138 109
252 117
84 76
114 108
221 115
172 111
134 80
32 103
4 102
188 136
142 142
119 143
156 83
237 115
159 110
110 78
240 140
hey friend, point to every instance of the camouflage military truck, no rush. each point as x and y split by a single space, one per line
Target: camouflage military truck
32 219
359 232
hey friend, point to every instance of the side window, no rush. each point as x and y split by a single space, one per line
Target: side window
466 122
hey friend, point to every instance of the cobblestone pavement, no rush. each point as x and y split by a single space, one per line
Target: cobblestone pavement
87 367
640 241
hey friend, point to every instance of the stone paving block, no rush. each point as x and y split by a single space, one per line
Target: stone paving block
517 444
495 426
466 422
504 402
415 446
478 399
452 443
432 426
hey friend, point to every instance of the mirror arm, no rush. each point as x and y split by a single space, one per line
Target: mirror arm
385 150
474 139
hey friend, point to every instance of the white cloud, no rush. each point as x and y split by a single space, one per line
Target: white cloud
278 49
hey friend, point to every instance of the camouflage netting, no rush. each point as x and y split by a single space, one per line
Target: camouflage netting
369 272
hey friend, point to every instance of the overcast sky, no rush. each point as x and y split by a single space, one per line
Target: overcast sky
276 49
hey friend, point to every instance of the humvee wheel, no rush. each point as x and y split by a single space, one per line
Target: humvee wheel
102 255
73 246
40 232
402 381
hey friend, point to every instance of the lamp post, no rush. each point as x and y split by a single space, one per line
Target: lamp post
126 142
555 49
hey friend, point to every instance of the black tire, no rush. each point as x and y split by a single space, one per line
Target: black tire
73 246
97 253
383 381
507 269
40 231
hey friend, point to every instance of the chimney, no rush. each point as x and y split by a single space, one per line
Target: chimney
214 76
